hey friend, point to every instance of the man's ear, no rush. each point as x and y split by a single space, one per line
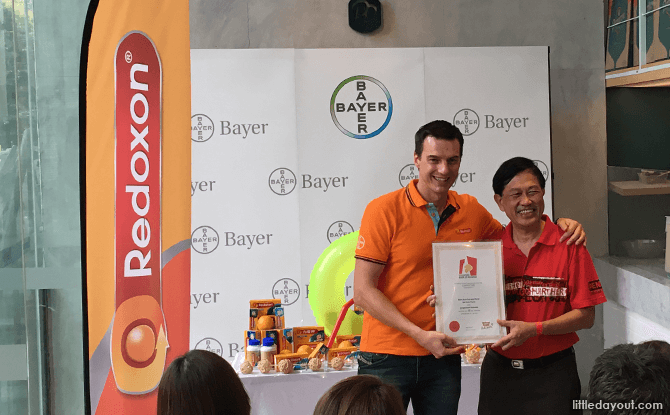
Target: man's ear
416 160
498 200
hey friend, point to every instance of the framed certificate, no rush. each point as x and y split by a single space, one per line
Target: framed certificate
469 290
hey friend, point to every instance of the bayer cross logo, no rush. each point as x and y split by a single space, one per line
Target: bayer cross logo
361 107
467 121
337 229
282 181
543 168
407 174
202 128
204 240
287 290
211 345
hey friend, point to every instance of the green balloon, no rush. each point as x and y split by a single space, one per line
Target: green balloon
326 286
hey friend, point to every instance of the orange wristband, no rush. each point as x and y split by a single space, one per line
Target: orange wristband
538 328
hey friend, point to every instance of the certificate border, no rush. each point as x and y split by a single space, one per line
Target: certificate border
495 246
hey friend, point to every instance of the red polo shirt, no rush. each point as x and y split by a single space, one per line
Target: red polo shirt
398 232
554 279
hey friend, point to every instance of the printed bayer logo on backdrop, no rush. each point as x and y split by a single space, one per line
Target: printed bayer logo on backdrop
204 240
202 128
543 168
287 290
282 181
211 345
338 229
361 107
468 121
407 174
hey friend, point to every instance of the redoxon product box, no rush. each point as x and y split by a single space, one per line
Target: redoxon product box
296 359
278 336
354 339
259 309
340 352
310 335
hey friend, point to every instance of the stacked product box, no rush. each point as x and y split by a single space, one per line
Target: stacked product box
266 320
297 345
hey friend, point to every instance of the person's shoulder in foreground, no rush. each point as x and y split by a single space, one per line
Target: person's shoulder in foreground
201 383
632 379
361 395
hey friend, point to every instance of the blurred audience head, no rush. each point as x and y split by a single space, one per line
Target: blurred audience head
201 383
361 395
633 376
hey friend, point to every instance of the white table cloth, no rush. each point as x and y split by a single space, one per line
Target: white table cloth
298 392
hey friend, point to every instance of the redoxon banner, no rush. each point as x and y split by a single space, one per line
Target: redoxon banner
289 146
137 213
139 339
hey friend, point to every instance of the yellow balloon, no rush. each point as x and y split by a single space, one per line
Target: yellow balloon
326 286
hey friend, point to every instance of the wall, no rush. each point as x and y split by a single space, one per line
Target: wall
572 29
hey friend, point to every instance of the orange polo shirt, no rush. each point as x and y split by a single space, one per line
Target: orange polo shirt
398 232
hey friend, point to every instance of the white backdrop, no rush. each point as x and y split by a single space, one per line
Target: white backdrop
278 173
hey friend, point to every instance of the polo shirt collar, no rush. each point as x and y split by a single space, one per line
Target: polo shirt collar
417 200
550 234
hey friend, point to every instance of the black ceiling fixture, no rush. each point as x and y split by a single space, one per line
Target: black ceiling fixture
365 16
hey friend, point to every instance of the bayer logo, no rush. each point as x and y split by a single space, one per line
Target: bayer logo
287 290
202 128
407 174
543 168
338 229
361 107
211 345
282 181
467 121
204 240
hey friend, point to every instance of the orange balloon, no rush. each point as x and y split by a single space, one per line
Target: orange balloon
140 343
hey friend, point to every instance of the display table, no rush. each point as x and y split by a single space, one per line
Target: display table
298 392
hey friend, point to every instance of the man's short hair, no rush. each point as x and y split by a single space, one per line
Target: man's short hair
509 169
440 129
630 374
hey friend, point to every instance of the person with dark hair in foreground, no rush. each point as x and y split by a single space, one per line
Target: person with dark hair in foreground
631 379
361 395
201 383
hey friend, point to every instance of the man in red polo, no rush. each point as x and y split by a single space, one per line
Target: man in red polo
551 290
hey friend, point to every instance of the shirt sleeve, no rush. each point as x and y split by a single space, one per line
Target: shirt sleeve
585 288
492 230
374 238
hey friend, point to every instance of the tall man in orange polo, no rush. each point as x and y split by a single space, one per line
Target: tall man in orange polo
394 273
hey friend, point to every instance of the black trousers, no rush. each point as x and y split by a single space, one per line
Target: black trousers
548 390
